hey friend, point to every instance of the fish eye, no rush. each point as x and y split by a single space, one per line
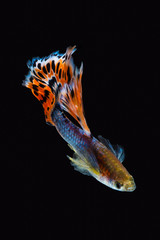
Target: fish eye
118 185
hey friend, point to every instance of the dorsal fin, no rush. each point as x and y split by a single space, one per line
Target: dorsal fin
117 150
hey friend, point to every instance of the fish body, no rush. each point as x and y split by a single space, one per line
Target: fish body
56 83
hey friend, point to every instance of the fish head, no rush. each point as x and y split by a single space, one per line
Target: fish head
124 184
119 183
127 185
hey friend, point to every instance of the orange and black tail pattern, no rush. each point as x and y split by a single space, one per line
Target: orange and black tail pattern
71 98
57 72
45 75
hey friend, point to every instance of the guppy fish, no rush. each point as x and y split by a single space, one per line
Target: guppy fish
56 82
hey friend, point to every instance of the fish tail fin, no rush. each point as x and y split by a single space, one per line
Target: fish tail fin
57 73
46 75
71 95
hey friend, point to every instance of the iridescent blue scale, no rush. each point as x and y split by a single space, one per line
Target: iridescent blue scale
72 134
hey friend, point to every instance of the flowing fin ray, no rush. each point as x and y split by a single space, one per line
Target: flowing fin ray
71 98
82 165
57 72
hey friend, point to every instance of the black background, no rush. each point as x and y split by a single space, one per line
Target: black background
119 46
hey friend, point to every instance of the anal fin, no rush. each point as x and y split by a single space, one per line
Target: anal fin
79 164
82 164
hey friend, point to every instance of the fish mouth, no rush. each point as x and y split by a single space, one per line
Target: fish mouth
130 187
